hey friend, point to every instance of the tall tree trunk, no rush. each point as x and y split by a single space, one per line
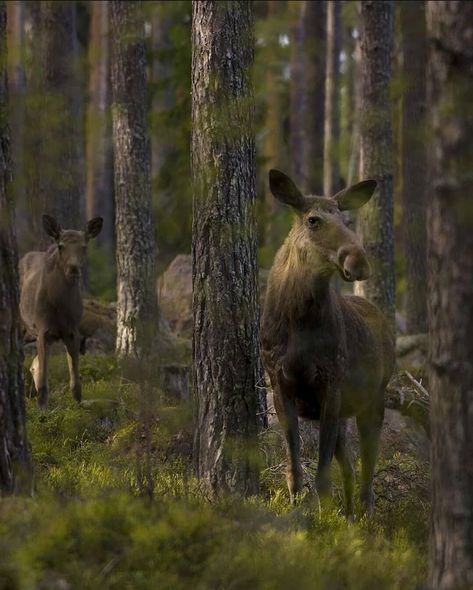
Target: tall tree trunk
273 126
450 288
55 159
296 122
355 102
376 218
313 17
136 306
226 342
99 158
414 162
16 89
332 99
14 455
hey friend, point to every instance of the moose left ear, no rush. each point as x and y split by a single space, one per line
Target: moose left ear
356 196
94 227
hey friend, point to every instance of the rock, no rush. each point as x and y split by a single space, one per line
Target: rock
175 380
405 344
175 294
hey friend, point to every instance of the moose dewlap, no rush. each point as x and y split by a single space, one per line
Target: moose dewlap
328 356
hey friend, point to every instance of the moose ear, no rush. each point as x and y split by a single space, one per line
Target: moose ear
94 227
356 196
284 189
51 227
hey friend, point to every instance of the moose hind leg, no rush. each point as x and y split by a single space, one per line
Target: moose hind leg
40 374
287 416
72 343
369 428
343 454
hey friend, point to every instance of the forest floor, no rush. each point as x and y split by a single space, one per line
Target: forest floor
106 514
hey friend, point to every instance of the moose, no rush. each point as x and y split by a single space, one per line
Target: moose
328 356
51 301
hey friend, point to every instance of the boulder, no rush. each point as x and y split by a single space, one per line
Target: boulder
175 295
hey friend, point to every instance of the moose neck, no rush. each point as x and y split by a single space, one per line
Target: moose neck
303 288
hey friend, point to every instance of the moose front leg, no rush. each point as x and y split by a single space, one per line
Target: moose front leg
39 369
72 343
369 428
287 416
327 441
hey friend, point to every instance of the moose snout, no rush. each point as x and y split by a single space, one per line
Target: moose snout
73 271
353 264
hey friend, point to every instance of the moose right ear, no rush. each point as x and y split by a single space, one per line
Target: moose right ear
51 227
284 189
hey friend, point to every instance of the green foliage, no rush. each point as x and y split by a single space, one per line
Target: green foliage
88 526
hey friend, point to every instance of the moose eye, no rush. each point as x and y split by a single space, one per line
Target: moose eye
314 221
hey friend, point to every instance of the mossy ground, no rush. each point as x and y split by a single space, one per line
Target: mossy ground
92 523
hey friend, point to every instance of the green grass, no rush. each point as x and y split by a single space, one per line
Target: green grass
91 526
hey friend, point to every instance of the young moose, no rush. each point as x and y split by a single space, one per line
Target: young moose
328 356
51 301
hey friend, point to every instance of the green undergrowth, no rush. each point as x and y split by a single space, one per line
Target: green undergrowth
116 506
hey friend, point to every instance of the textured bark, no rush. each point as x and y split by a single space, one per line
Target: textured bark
450 288
226 364
296 92
355 104
99 157
54 151
332 99
13 446
414 162
136 307
313 17
375 220
16 88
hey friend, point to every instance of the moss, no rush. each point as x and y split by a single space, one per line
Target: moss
89 527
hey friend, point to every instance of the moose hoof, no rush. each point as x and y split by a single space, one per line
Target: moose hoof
323 486
43 397
367 503
77 392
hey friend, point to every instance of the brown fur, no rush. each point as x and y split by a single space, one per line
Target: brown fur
51 301
328 356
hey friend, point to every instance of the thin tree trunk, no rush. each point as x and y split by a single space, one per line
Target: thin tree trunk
99 157
55 153
273 128
14 454
137 319
414 164
354 157
375 220
450 288
296 123
16 89
332 99
313 17
226 364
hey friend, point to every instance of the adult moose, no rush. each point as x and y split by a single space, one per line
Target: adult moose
51 301
329 357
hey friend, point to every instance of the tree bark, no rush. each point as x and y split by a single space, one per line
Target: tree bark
414 162
54 159
450 288
14 454
16 90
137 319
313 25
99 156
226 365
375 220
296 92
332 99
273 127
